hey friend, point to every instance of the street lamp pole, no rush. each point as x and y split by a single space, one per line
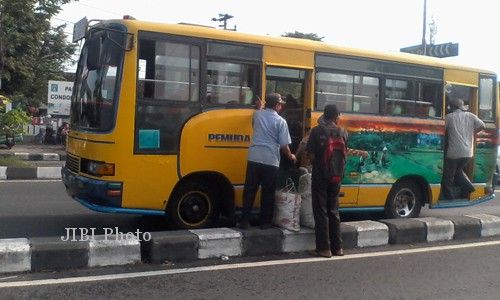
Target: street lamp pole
424 43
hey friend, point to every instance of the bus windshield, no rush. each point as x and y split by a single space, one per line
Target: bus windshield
94 98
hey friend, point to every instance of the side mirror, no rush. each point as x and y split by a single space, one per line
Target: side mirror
94 52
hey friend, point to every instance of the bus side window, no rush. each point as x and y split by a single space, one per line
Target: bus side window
487 107
167 93
231 83
399 98
366 98
429 100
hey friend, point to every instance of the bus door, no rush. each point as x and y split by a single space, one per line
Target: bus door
292 85
481 168
485 148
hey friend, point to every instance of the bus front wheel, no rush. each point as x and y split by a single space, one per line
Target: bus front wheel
404 201
191 207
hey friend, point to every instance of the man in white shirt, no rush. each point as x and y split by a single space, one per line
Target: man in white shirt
461 126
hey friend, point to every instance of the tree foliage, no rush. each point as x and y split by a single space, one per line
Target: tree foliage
32 51
11 122
300 35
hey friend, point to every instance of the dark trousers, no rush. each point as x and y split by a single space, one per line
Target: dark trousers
264 176
325 204
454 175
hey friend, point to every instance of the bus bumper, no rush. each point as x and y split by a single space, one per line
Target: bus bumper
462 203
92 191
100 195
494 182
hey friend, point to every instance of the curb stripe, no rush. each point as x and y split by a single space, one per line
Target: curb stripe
14 173
46 156
241 265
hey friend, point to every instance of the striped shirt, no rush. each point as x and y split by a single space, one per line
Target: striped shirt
460 129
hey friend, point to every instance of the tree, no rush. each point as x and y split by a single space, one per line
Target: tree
31 50
300 35
11 123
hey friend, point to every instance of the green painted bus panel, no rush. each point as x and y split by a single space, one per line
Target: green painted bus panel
484 159
395 155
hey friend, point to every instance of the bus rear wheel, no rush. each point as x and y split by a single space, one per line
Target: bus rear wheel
191 207
404 201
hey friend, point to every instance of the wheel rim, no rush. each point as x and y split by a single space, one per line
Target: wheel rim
194 208
404 202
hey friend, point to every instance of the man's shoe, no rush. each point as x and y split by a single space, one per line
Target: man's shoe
322 253
338 252
266 226
243 224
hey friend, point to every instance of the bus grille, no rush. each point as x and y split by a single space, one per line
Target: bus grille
73 163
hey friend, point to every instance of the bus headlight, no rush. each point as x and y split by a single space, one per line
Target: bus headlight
98 168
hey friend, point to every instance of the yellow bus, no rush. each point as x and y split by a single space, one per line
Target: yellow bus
161 119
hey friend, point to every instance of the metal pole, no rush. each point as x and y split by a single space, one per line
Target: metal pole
424 44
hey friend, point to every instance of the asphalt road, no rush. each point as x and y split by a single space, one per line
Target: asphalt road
42 208
467 271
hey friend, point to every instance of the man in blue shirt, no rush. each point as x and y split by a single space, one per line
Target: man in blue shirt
270 135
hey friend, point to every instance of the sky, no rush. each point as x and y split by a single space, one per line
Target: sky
386 25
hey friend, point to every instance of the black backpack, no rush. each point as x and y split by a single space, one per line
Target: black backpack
334 154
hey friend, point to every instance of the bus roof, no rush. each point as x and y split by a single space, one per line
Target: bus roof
294 43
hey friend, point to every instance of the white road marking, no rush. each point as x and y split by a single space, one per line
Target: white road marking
8 277
29 180
238 266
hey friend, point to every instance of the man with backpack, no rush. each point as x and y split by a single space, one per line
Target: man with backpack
327 147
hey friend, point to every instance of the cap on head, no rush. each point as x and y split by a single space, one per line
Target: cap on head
330 112
458 104
273 99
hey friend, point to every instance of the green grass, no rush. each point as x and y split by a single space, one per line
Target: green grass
11 161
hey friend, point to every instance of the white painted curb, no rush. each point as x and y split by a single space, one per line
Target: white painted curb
371 233
438 229
15 255
22 155
303 240
50 156
217 242
48 172
3 173
490 225
113 252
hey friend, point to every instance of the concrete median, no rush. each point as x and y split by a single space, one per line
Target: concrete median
28 173
52 253
37 156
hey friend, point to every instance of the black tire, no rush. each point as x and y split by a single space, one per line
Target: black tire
192 207
404 201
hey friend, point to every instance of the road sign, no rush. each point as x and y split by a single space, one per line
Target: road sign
59 97
417 49
80 29
441 50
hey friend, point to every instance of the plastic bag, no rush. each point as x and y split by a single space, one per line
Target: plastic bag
306 211
287 207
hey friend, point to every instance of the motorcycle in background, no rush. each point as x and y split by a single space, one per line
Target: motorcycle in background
8 141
